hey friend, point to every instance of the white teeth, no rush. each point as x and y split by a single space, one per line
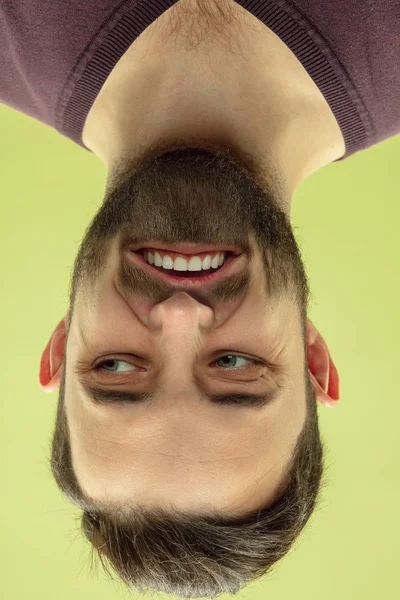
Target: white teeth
181 264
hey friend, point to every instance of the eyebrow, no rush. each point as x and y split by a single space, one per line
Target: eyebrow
101 396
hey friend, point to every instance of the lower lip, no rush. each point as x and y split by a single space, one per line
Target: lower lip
212 278
191 249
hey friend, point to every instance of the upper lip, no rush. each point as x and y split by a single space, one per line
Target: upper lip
185 284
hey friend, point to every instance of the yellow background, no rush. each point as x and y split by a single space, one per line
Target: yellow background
346 219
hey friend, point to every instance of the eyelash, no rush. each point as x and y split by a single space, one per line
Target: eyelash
254 361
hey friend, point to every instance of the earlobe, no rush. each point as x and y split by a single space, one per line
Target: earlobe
52 358
323 373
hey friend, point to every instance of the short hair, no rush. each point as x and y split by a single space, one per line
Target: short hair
195 555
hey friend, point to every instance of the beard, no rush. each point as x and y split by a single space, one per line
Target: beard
196 191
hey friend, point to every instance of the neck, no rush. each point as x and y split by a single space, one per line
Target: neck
258 99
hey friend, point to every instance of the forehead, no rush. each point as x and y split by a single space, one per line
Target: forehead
216 464
193 468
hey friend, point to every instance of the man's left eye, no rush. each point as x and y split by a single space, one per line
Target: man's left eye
99 367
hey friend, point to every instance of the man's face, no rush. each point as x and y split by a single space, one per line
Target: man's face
130 331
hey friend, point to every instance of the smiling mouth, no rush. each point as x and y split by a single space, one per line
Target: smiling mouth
190 274
189 277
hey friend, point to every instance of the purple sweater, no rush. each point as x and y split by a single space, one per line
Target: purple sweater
55 56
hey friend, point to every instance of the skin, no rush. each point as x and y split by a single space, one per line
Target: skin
267 127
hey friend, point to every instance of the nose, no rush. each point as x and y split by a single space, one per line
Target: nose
180 319
179 311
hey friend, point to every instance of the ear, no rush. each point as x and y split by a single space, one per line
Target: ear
323 374
53 357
